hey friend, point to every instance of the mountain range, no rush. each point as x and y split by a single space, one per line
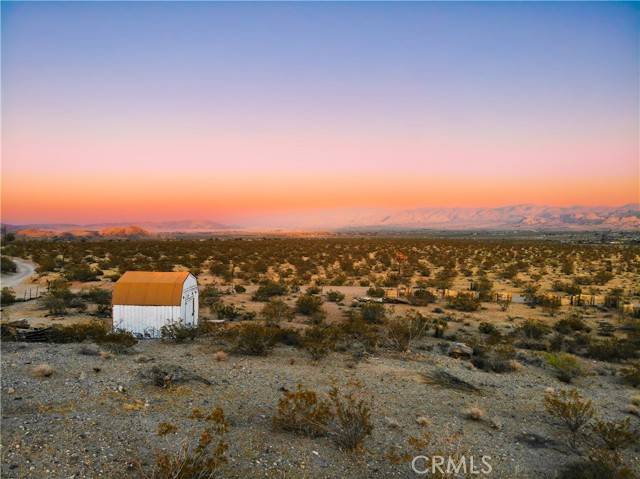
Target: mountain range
517 217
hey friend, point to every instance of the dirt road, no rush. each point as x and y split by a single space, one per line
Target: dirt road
25 269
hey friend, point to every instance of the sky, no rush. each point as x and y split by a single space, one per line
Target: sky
230 111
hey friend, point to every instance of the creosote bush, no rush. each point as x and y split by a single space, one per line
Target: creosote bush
276 311
572 410
566 366
631 375
178 333
254 339
346 418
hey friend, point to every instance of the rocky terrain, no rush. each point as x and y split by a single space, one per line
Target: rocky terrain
95 416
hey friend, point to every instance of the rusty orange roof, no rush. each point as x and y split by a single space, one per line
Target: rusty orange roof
149 288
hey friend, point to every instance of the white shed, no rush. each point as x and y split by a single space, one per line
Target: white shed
144 301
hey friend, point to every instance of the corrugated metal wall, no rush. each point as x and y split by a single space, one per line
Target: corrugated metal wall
144 321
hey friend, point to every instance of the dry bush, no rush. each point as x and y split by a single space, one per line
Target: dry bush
572 410
615 435
178 333
201 462
474 413
42 371
318 341
166 428
600 464
499 358
276 311
464 302
344 417
254 339
531 329
220 356
401 332
566 366
631 375
352 419
302 411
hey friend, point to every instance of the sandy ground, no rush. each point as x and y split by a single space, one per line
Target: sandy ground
83 424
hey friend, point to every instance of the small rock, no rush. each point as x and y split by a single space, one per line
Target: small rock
11 390
460 350
496 423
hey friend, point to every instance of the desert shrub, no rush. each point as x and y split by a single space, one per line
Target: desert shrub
81 272
302 411
8 296
375 292
101 298
570 324
210 296
612 349
227 311
76 333
531 329
201 462
118 342
487 328
314 290
504 303
276 311
7 265
165 428
571 409
421 297
268 290
355 329
318 341
599 465
346 418
372 312
178 333
335 296
550 304
566 366
308 304
615 435
631 375
439 325
401 332
238 288
352 419
254 339
499 358
55 305
464 302
483 286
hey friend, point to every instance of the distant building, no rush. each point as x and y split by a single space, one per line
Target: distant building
145 301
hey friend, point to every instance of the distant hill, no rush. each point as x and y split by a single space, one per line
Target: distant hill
111 232
517 217
145 228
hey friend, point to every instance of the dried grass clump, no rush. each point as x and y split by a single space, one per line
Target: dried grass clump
220 356
166 428
474 413
42 371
